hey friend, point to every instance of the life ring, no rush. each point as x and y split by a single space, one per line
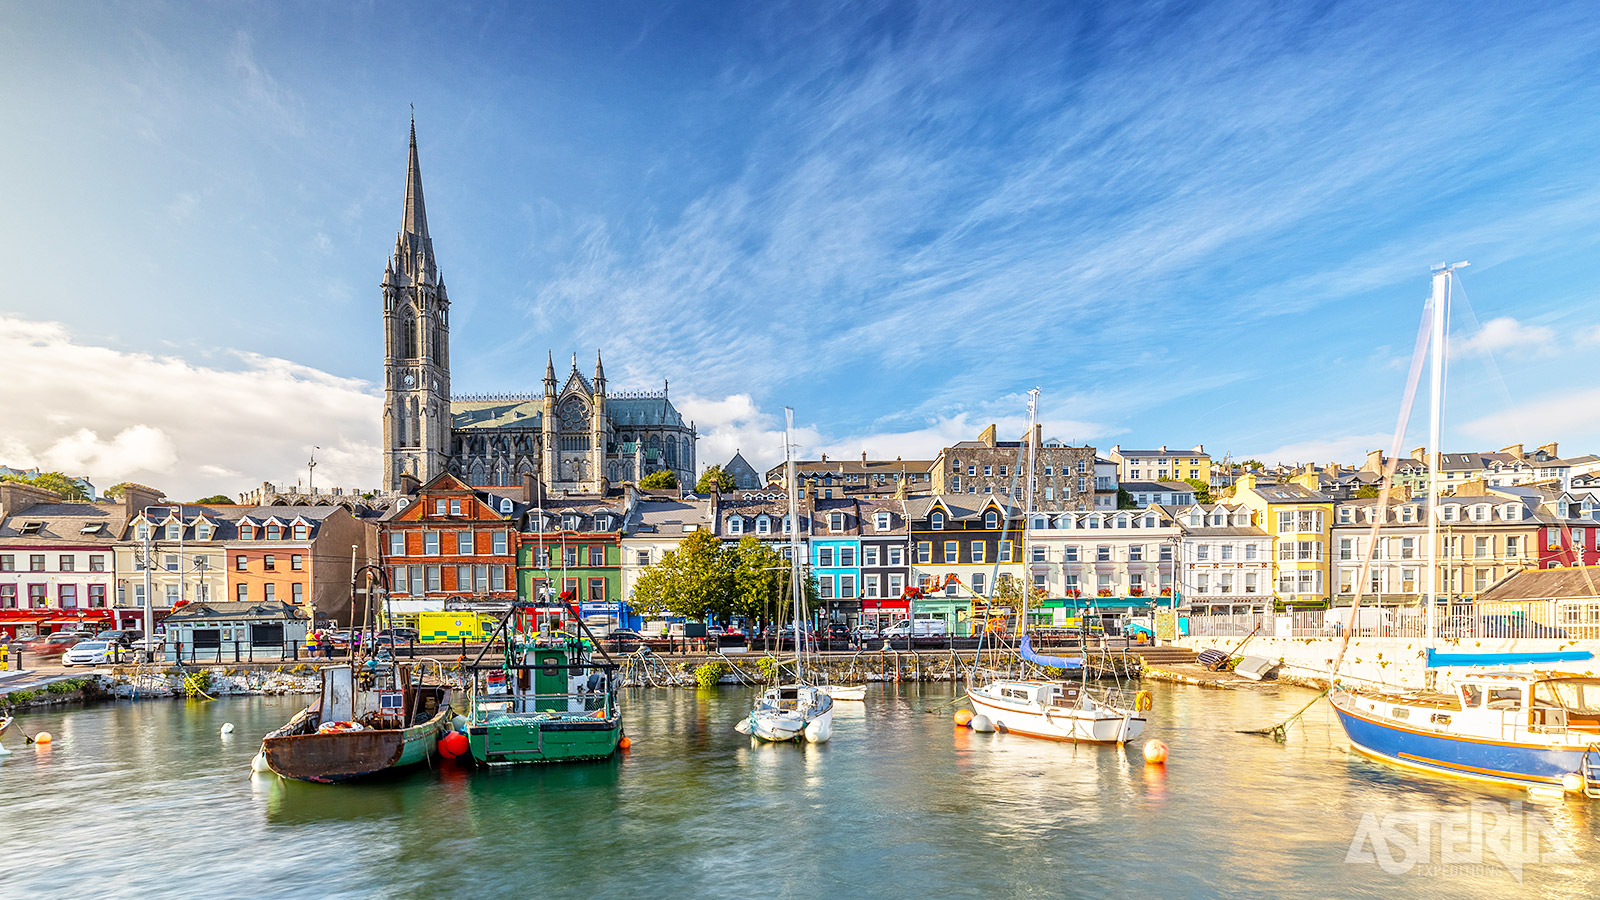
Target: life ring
1142 701
339 727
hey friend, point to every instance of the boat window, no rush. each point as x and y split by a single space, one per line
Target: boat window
1505 698
1401 712
1581 697
1471 695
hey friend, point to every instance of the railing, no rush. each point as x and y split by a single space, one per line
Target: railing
1505 620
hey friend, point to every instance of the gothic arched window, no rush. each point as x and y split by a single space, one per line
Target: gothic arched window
408 335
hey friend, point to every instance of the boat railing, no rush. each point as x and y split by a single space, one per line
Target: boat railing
555 705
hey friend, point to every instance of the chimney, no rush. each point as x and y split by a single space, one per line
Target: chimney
863 456
1514 450
1420 454
1199 449
1550 449
987 437
530 488
824 457
1163 448
1038 434
135 497
409 484
15 496
1374 462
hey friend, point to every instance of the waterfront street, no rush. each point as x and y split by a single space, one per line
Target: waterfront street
153 802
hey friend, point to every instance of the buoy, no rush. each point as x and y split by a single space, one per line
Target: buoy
963 718
258 763
819 730
1155 753
453 744
1142 701
981 724
42 737
1572 782
227 728
625 743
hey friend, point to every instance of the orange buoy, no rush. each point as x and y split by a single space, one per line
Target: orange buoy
1155 753
625 743
963 718
42 737
453 745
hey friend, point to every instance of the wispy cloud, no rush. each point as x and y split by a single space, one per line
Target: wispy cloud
1505 335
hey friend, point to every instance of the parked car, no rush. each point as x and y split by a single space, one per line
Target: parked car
142 644
397 636
866 633
92 653
624 639
123 637
51 644
838 631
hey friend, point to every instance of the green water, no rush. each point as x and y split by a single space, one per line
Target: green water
148 800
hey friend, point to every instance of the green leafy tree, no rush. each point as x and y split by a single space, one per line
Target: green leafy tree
692 580
660 479
714 475
1253 464
115 491
1202 489
1125 499
1367 492
215 500
52 481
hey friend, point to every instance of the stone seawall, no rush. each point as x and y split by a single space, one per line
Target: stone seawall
1376 661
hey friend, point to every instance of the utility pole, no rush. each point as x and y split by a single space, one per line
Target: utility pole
311 472
149 613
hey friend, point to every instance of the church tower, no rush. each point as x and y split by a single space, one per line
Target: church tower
416 342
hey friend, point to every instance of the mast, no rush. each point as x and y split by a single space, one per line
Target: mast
794 537
1439 305
1027 515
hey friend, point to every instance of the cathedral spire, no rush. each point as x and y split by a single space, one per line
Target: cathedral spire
550 375
599 374
414 244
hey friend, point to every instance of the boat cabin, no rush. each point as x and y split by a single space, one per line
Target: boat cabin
1057 694
1539 702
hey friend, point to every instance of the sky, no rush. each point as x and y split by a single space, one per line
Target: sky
1186 223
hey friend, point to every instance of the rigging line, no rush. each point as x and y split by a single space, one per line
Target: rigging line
1488 354
1413 378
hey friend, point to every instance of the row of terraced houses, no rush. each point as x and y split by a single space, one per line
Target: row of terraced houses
884 540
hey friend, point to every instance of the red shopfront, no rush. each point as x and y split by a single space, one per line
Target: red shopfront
21 624
880 611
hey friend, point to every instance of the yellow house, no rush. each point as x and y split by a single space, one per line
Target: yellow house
1299 518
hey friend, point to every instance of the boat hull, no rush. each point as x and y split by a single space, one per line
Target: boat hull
350 755
1502 762
527 741
841 692
1084 727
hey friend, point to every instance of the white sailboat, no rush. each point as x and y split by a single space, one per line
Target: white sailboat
1057 710
789 711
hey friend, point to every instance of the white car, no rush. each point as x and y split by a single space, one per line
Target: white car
91 653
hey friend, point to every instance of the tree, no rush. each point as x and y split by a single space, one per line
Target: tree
52 481
760 577
692 580
1252 464
115 491
215 500
1367 492
1125 499
1202 490
714 475
660 479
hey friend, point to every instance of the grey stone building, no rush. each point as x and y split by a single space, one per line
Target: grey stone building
1064 476
575 436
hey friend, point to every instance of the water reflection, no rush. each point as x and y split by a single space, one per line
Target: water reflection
900 803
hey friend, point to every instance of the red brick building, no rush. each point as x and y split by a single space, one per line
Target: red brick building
450 541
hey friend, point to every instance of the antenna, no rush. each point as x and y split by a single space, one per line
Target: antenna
311 471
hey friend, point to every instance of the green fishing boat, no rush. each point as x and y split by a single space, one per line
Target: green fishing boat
548 701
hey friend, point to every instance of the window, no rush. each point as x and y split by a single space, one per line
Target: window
881 521
825 556
397 578
642 558
241 593
763 525
97 595
1082 467
1285 522
464 543
924 552
1038 554
1102 553
1408 548
241 563
272 592
497 578
991 520
430 543
297 562
68 562
936 521
142 532
825 586
440 506
174 531
36 562
1005 552
69 596
298 593
1070 584
869 555
455 507
172 563
597 555
1166 553
397 543
736 524
1249 552
1136 553
949 551
301 532
1513 545
977 583
274 532
897 584
1481 547
972 471
269 562
869 586
1069 553
1250 582
499 543
1408 581
1202 552
847 586
977 552
836 521
1347 548
8 562
896 556
569 556
988 470
435 579
847 557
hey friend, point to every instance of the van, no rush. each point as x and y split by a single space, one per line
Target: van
916 628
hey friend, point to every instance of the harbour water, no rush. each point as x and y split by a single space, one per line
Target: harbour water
149 800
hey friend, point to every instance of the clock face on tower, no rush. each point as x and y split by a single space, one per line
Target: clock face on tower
410 380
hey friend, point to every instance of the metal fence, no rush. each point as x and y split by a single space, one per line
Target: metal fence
1550 619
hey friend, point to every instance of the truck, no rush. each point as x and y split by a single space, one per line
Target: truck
929 628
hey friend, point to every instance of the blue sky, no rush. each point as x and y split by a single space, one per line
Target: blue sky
1198 222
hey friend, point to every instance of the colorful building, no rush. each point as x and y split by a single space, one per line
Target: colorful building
1161 464
452 546
57 562
962 547
835 552
1300 521
573 544
1119 561
1226 560
302 555
885 561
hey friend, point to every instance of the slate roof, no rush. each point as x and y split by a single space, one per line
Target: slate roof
652 513
233 609
1545 584
65 522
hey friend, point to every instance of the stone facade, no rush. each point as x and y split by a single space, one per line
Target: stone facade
1064 476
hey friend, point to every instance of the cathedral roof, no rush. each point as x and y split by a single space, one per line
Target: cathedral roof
508 411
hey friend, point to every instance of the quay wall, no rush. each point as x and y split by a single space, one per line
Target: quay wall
1378 661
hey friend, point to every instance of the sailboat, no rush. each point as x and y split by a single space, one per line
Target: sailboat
789 711
1058 710
1534 729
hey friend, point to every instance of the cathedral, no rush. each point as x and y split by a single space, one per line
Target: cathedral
575 436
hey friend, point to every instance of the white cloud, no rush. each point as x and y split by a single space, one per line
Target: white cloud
1349 449
1504 336
188 429
1569 417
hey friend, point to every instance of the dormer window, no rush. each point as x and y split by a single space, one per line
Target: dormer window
991 520
202 531
569 523
174 531
505 506
247 531
142 531
301 532
836 521
1512 512
881 521
274 532
788 525
736 524
763 524
936 521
